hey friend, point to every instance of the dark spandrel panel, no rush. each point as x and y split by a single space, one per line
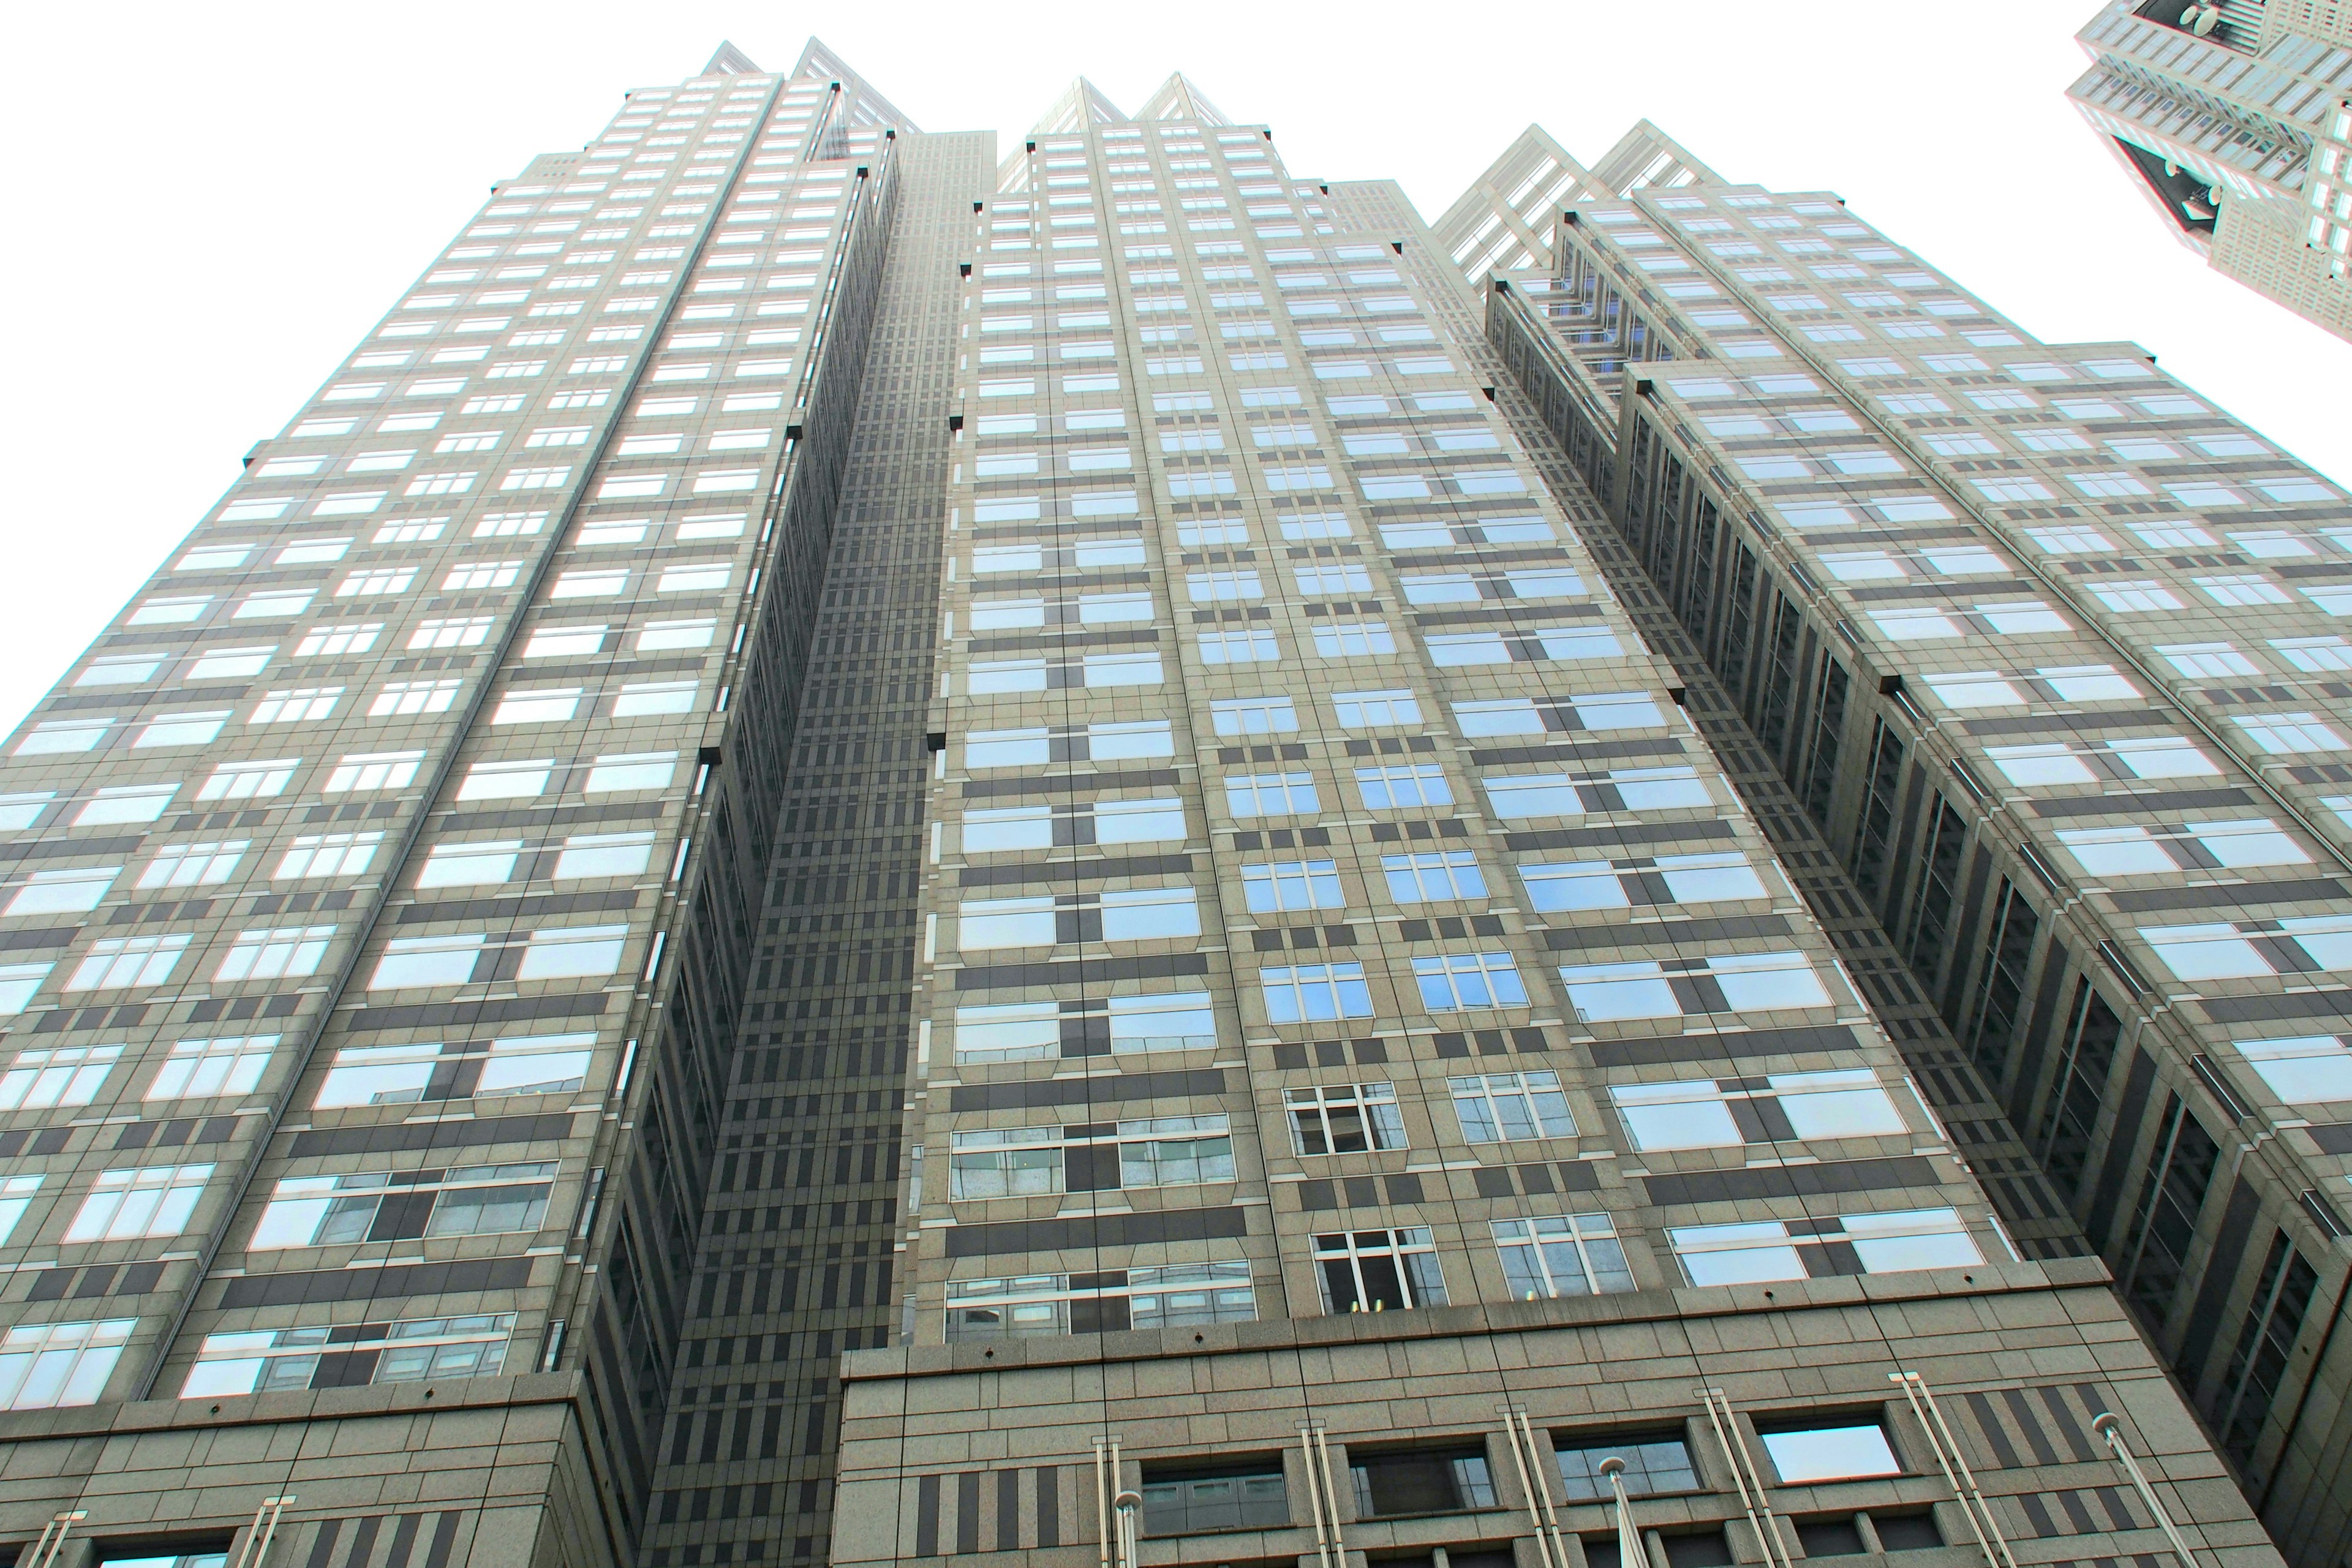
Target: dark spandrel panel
795 1261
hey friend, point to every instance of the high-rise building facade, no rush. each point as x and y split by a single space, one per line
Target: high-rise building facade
859 854
2234 117
2048 647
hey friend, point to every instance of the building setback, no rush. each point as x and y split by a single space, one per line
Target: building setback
2235 119
860 855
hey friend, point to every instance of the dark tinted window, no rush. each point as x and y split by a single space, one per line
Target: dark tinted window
1655 1462
1245 1494
1707 1549
1906 1531
1421 1480
1829 1537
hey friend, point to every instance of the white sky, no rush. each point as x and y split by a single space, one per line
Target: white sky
216 203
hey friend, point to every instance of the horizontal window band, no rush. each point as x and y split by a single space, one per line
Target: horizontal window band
1733 1044
1071 870
1096 1089
1080 972
467 1014
1157 1226
1842 1177
377 1284
408 1137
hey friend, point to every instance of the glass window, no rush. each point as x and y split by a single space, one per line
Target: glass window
60 1075
1316 993
1562 1255
1503 1108
155 1200
1292 885
427 961
2303 1069
1139 821
1830 1453
1270 794
1380 1270
1451 982
65 893
1532 795
47 1366
1344 1118
604 855
1150 914
1242 1495
1422 1480
1391 788
1655 1463
1436 877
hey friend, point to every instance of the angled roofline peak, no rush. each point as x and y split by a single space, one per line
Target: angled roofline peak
729 61
1082 105
1178 99
1646 155
865 106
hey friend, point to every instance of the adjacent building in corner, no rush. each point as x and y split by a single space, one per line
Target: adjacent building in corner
856 854
2235 118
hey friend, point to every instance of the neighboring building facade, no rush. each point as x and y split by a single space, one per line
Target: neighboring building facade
2050 649
860 855
2235 118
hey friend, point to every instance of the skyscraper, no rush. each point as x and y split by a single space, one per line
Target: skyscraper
2235 118
2045 645
858 854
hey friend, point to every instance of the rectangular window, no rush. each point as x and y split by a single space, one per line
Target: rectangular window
203 1069
1401 1484
1805 1455
278 954
63 893
118 962
1761 1251
1316 993
1656 1463
49 1366
1564 1255
1185 1500
1506 1108
289 1359
328 854
1371 709
1253 716
192 865
468 633
180 729
1292 885
1270 794
1345 1119
406 698
123 1205
1405 786
1378 1270
569 953
1455 982
61 1075
1434 876
295 705
641 771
